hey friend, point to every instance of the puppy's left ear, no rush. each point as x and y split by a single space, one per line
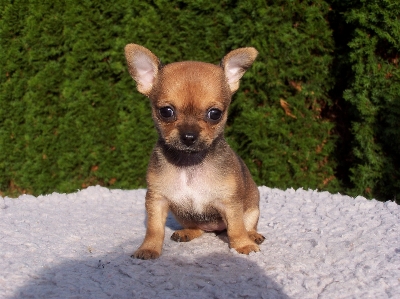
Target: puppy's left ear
235 64
143 67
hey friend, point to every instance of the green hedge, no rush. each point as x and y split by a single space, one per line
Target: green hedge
277 124
368 81
70 115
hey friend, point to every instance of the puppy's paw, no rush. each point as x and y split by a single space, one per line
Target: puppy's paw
180 237
248 248
186 235
256 237
145 254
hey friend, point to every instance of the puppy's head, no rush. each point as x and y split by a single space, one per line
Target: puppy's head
189 99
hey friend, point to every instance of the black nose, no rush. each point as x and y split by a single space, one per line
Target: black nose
188 138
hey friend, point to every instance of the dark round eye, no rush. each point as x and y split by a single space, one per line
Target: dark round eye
167 112
214 114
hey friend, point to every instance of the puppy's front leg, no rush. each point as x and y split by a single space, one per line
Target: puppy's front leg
238 236
157 211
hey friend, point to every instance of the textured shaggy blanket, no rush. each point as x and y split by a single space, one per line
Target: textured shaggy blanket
318 245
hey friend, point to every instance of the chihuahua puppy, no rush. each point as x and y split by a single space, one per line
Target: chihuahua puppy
192 171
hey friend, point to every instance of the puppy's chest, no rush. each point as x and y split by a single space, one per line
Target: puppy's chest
193 188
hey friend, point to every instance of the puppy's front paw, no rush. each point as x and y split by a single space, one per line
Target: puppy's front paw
145 254
248 248
256 237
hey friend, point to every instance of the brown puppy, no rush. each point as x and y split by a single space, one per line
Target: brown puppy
193 172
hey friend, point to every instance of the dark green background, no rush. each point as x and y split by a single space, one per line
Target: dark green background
320 107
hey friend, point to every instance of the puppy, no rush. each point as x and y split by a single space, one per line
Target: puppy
192 171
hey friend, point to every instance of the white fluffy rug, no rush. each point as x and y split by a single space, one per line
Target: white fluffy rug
318 245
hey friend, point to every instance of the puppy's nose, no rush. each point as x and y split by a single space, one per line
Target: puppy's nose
188 138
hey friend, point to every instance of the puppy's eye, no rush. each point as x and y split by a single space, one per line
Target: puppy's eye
214 114
167 113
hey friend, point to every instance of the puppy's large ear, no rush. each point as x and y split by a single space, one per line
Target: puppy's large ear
235 64
143 66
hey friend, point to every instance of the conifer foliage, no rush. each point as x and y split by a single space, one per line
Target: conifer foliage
370 54
70 115
277 122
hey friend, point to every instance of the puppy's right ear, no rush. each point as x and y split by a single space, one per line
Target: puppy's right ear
143 66
235 64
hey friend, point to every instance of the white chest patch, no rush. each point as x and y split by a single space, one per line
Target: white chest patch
193 187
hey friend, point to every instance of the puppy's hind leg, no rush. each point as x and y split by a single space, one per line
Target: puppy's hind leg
250 222
239 238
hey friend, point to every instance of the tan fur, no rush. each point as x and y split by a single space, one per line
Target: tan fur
192 171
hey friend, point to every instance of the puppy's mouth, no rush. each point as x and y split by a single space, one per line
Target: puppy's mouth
189 149
182 155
